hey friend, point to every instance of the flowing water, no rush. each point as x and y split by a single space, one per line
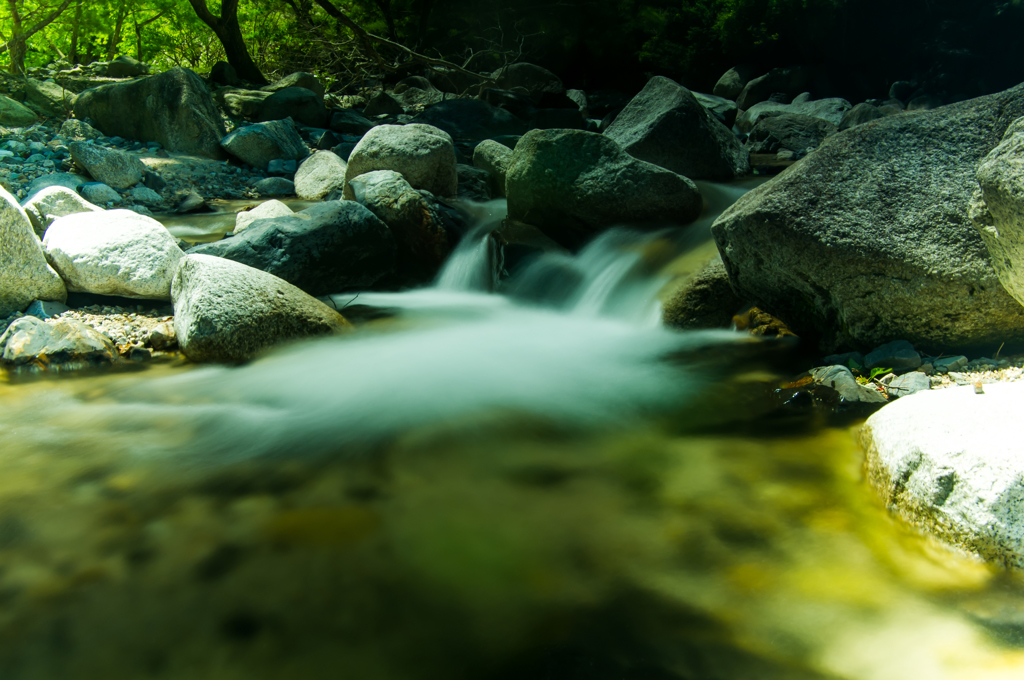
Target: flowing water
538 482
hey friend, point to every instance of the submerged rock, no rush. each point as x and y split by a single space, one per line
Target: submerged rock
948 461
226 311
868 240
328 248
63 341
24 273
667 126
706 301
573 184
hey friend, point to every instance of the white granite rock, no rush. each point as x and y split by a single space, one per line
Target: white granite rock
423 154
319 175
46 205
24 274
952 463
264 210
115 252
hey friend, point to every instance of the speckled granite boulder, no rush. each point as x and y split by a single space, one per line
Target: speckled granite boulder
226 311
423 154
24 274
46 205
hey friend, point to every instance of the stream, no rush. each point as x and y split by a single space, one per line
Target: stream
524 478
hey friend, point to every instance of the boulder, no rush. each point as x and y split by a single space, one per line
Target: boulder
56 179
13 114
49 96
948 461
78 130
471 119
422 240
829 110
126 67
474 184
424 155
113 252
572 184
275 186
224 73
329 248
59 342
261 143
536 80
300 79
173 108
383 105
264 210
841 379
226 311
99 193
298 103
732 82
319 175
868 239
242 103
790 81
350 122
793 131
998 210
666 125
705 301
450 80
113 167
860 114
554 119
494 158
24 274
145 196
46 205
723 109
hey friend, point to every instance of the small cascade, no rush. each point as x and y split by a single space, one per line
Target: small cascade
473 266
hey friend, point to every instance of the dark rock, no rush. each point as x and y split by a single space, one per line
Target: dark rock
516 103
300 79
173 108
723 109
471 119
126 67
280 167
193 203
868 239
667 126
844 359
152 180
350 122
573 184
792 131
829 110
261 143
328 248
474 183
841 379
925 102
732 82
790 81
706 301
909 383
327 140
275 186
298 103
381 105
860 114
224 73
901 90
898 355
450 80
550 119
536 80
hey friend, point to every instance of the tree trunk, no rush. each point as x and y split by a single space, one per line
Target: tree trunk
17 45
114 39
138 32
424 23
389 18
76 24
227 30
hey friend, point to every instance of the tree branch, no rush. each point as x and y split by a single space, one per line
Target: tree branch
47 20
203 12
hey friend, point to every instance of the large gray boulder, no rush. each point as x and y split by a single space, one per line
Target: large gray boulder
422 240
573 184
261 143
113 252
49 203
666 125
24 274
13 114
949 461
868 239
998 212
319 175
112 167
423 154
173 108
829 110
225 311
298 103
49 96
328 248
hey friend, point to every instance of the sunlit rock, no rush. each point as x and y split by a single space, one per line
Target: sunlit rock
423 154
319 175
24 274
264 210
60 342
226 311
46 205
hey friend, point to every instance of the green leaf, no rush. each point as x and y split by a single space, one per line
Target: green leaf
879 371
